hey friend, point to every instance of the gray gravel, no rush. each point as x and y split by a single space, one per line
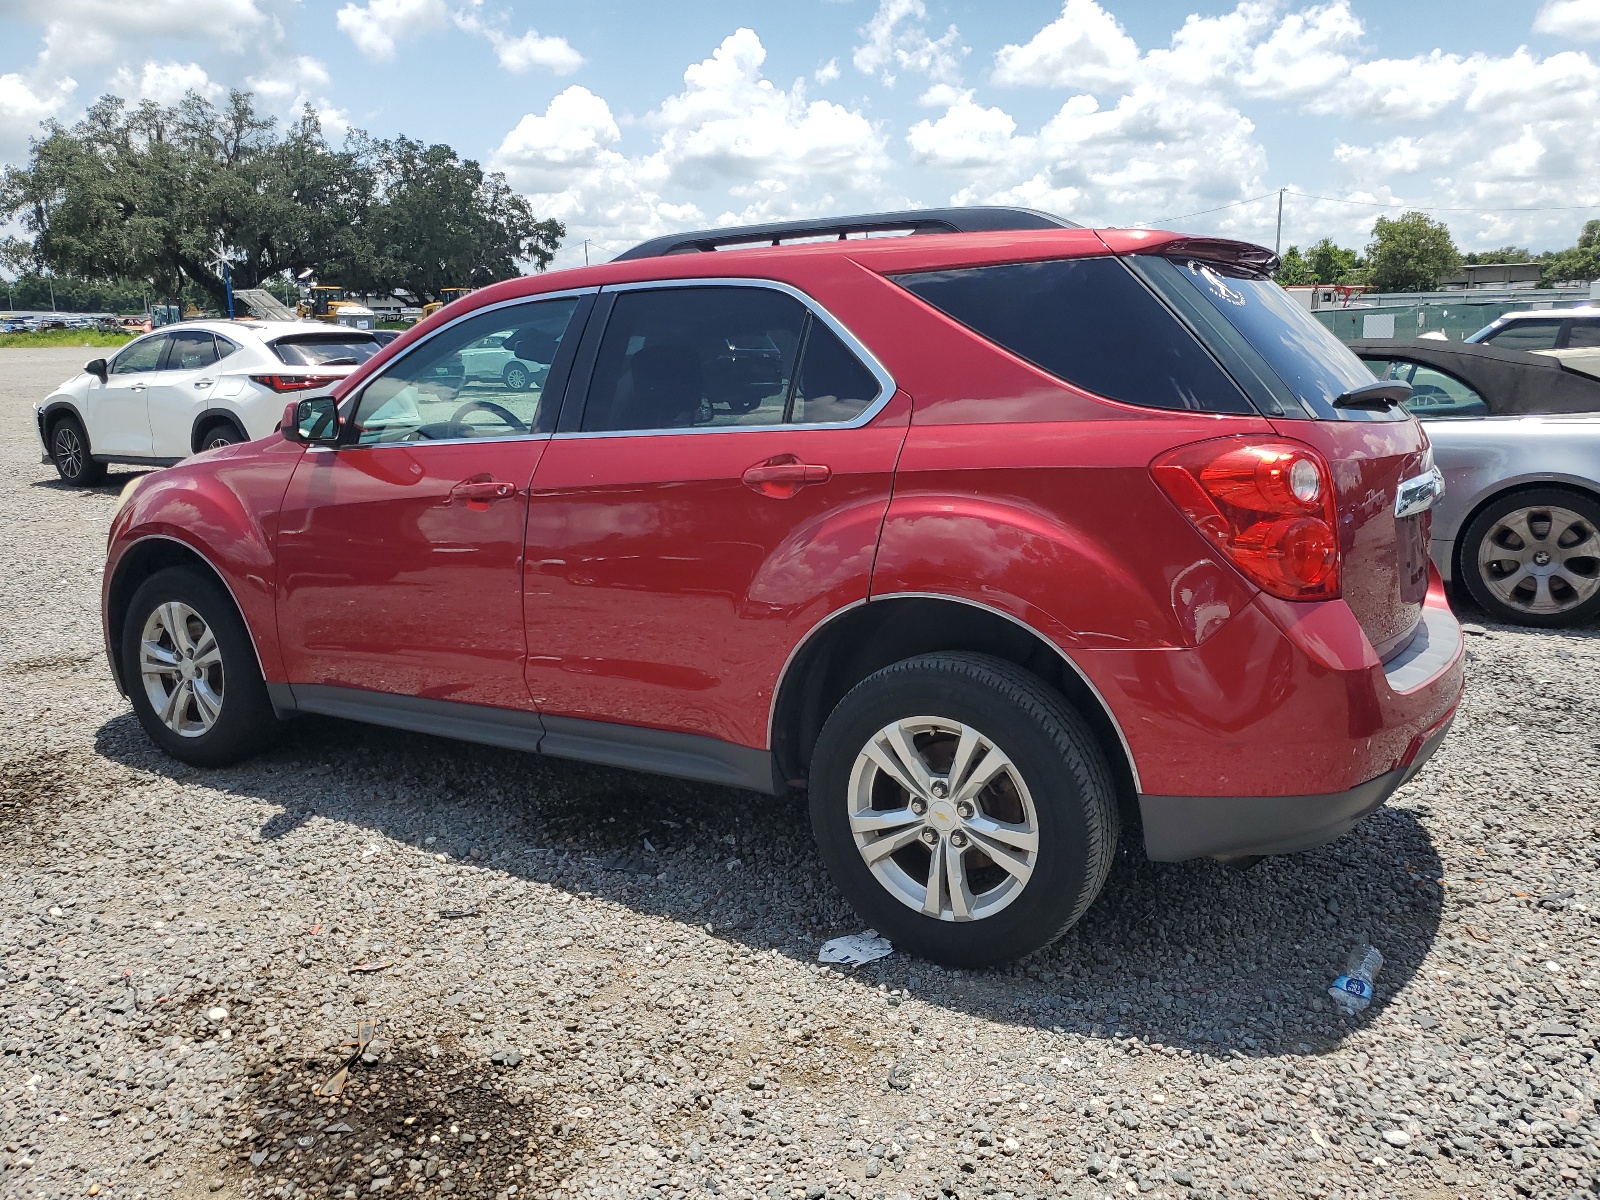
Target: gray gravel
585 982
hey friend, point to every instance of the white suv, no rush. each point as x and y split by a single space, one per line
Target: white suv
1569 334
190 387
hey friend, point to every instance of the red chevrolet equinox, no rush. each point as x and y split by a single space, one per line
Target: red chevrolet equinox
1000 539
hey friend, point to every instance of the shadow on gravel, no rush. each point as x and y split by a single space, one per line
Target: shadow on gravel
113 483
1192 955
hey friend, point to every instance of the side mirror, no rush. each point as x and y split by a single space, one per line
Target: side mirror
97 368
314 420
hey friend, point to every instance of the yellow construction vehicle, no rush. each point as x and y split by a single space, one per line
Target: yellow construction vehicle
323 302
446 296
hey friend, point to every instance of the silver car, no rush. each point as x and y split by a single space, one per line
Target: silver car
1517 437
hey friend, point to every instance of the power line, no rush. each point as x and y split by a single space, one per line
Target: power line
1444 208
1204 211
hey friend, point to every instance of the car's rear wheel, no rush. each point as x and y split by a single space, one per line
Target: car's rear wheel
516 377
1533 558
69 450
191 670
963 808
221 434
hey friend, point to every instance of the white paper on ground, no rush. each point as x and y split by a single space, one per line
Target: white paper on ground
855 948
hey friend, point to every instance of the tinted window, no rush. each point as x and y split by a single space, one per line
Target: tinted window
1087 321
225 347
1526 335
680 358
1585 335
833 384
1435 395
192 350
325 350
464 382
143 355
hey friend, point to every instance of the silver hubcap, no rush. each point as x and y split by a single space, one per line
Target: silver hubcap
181 666
943 819
1541 560
69 450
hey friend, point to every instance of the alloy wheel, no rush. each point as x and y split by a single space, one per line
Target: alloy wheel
69 450
943 819
1543 560
180 664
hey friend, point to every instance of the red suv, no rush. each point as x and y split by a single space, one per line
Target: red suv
997 540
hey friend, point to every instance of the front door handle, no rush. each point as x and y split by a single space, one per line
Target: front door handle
204 382
783 475
478 492
137 387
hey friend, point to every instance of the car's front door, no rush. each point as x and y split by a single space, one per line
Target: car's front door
119 420
181 390
400 550
716 489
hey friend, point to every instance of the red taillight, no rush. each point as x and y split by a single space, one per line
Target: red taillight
1267 504
296 383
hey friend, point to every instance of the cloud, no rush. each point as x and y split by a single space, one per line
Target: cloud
828 72
80 31
530 50
894 40
24 106
1085 47
730 143
165 82
376 26
1575 19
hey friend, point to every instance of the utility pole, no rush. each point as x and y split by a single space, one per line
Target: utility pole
586 252
1277 242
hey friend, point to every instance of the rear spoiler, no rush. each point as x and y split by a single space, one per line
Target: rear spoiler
1243 257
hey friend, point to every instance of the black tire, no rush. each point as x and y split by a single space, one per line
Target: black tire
1481 580
245 722
516 377
69 450
1059 761
222 433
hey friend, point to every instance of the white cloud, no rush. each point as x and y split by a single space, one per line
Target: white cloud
731 143
79 31
376 26
165 82
894 40
1085 47
530 50
23 108
828 72
1576 19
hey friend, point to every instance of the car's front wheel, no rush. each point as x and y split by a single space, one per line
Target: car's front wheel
191 670
69 451
1533 558
963 808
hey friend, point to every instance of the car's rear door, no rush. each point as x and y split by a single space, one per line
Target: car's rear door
716 489
400 551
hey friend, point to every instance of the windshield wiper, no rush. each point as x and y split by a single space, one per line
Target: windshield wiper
1379 394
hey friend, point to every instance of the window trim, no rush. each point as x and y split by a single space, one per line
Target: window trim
351 403
583 371
172 340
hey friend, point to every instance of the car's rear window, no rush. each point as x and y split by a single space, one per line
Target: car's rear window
1526 335
1090 322
325 350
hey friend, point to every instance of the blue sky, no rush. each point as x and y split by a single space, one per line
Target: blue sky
631 119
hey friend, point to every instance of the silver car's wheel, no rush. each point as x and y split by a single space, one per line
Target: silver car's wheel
1543 560
516 377
180 665
943 819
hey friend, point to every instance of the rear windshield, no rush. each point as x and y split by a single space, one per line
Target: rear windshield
1311 363
1090 322
325 350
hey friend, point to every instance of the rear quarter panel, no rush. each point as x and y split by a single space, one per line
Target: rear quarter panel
1484 457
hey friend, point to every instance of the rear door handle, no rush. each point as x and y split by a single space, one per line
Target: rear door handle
479 492
204 382
783 475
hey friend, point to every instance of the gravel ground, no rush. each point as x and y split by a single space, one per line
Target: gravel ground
585 983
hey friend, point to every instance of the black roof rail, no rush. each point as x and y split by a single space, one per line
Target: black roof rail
921 220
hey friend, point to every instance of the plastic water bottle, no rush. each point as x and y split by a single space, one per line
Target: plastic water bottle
1352 991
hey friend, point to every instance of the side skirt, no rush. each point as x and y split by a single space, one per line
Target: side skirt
663 752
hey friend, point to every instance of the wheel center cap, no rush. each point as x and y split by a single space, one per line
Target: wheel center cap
943 814
1542 558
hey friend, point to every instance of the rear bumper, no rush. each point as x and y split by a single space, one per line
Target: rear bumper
1184 827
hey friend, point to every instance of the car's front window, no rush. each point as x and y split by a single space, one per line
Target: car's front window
439 391
140 356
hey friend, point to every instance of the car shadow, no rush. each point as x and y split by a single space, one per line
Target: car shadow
1190 955
113 483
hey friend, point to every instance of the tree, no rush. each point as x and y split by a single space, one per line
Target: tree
1576 264
153 196
1293 268
1330 263
1410 252
1502 254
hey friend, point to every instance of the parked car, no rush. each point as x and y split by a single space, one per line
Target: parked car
189 387
1036 530
1569 334
1517 435
384 336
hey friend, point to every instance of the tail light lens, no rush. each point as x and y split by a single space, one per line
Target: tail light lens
296 383
1267 504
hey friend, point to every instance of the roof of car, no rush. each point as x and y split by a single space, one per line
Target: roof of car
266 330
1583 310
1510 381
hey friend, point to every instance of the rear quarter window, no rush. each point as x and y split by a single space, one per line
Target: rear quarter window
1090 322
